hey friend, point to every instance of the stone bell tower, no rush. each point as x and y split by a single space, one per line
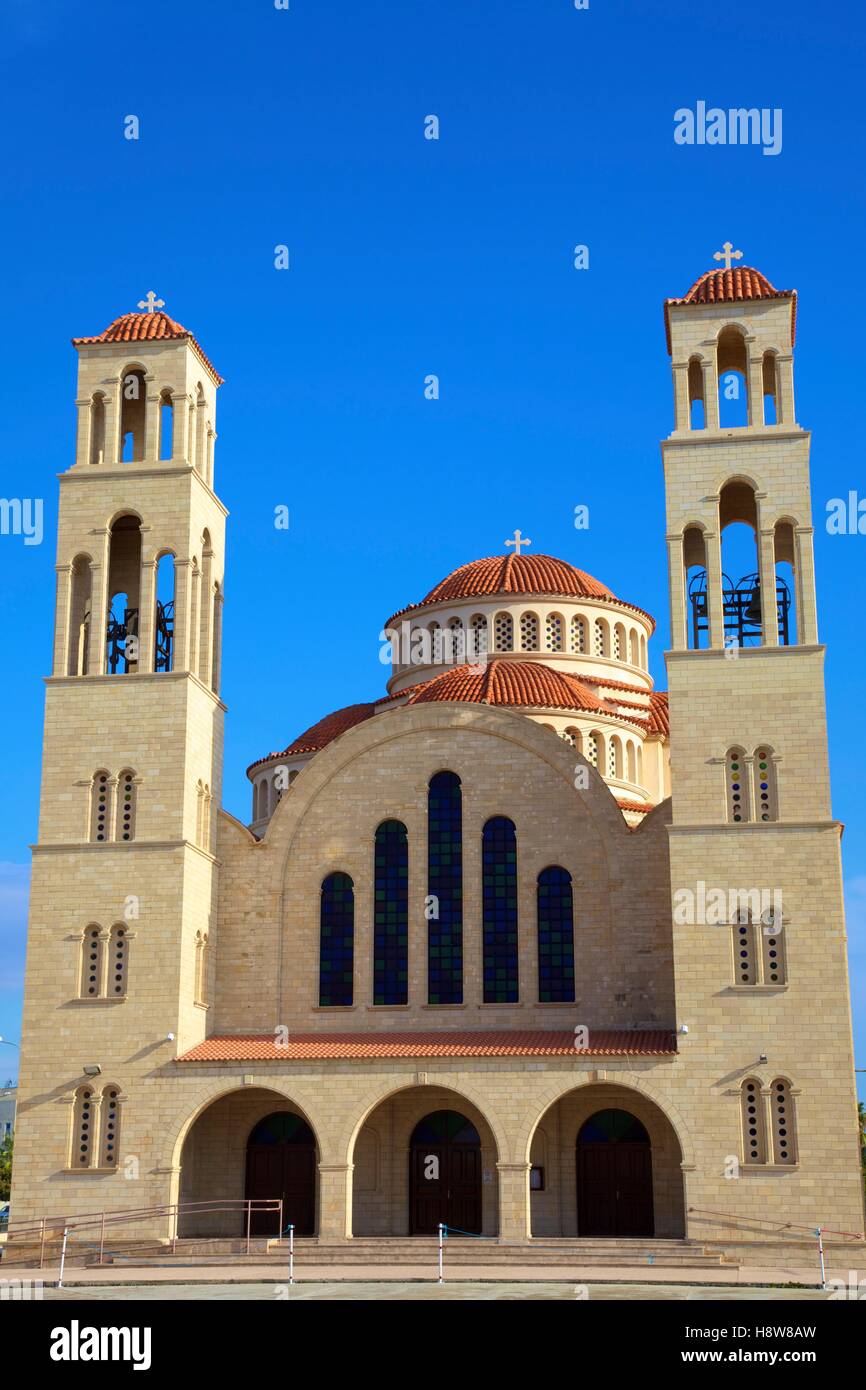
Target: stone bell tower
761 982
124 870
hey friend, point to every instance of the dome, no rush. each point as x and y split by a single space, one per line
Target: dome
517 574
144 327
318 735
514 683
739 284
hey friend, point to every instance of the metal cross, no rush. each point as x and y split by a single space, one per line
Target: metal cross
151 302
727 254
518 542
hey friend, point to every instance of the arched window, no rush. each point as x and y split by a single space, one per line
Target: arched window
118 953
478 643
555 936
754 1130
79 616
99 797
782 1115
733 369
457 643
578 633
166 425
499 898
745 953
83 1113
614 757
503 629
97 428
640 764
784 557
528 632
643 651
163 638
124 582
126 798
773 964
90 986
133 394
766 799
264 799
553 630
619 647
435 632
336 941
592 748
697 405
737 785
391 914
572 736
741 592
601 637
445 889
695 580
631 761
109 1123
770 384
633 648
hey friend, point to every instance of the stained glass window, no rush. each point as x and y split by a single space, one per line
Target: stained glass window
445 890
499 883
555 937
445 1126
613 1127
391 915
336 940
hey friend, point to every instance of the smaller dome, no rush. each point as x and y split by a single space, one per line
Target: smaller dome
319 735
143 327
739 284
517 574
514 683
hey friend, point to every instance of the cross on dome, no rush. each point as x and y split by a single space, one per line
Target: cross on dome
150 302
727 254
518 541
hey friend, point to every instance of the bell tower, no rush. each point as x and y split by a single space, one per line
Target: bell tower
762 981
124 871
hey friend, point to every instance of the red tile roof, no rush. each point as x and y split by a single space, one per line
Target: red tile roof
140 328
264 1047
318 735
641 806
739 284
503 682
659 718
532 575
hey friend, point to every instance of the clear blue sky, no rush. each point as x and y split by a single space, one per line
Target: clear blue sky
410 257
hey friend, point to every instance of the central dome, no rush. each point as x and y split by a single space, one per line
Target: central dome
517 574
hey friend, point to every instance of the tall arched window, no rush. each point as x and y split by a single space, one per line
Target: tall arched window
445 889
741 593
503 630
528 632
754 1130
82 1128
391 914
745 949
782 1114
773 964
99 798
166 425
163 636
109 1124
619 643
553 630
733 370
697 405
499 898
578 633
770 384
79 616
695 581
614 757
601 637
631 761
784 565
118 960
555 936
766 798
737 785
126 798
478 646
633 648
124 585
336 941
592 748
91 963
133 393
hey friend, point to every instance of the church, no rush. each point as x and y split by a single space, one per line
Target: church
443 976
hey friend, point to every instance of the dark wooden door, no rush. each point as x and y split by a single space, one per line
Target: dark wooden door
444 1184
614 1177
283 1166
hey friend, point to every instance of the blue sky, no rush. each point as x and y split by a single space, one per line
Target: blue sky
261 127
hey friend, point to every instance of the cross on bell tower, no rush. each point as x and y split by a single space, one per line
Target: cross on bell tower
727 254
518 541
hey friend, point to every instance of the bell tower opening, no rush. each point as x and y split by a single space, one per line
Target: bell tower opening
124 582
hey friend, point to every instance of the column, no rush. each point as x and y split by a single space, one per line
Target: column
767 574
513 1201
62 604
756 391
151 423
179 421
82 440
99 604
804 574
182 599
711 393
205 661
677 587
147 615
785 403
714 589
112 424
682 406
335 1201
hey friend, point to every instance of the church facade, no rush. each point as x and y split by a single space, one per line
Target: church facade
519 945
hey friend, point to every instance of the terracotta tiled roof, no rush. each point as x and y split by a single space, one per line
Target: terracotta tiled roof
318 735
732 286
659 717
519 684
641 806
263 1047
533 575
140 328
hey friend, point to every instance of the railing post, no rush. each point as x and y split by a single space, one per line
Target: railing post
820 1234
63 1256
102 1240
280 1230
42 1244
441 1251
291 1254
249 1219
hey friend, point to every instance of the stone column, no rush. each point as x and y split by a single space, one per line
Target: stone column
61 619
677 590
335 1201
682 405
804 575
513 1201
147 615
82 441
767 572
785 404
99 603
150 452
179 421
112 424
182 600
715 607
756 391
711 393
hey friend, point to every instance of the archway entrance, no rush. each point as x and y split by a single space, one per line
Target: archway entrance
445 1174
614 1176
281 1162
